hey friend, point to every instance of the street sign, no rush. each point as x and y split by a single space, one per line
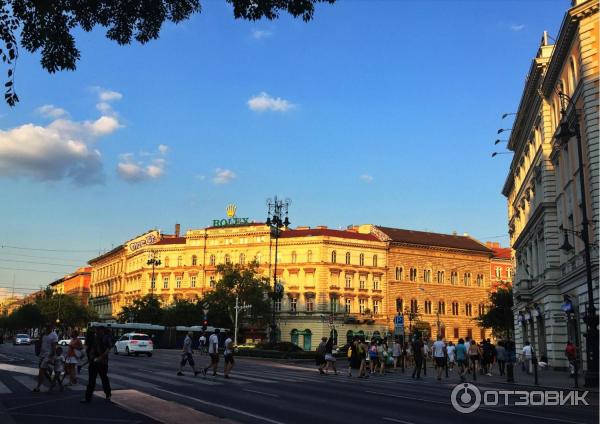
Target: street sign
399 321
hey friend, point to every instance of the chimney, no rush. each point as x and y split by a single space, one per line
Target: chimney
177 229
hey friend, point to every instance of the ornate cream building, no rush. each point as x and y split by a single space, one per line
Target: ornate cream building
337 282
543 190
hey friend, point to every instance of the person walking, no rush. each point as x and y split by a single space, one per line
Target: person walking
373 356
450 349
396 352
354 357
382 355
363 353
418 354
57 373
439 356
426 353
202 344
329 358
47 349
97 353
213 352
461 358
501 357
74 354
229 349
187 355
320 358
467 346
474 356
571 354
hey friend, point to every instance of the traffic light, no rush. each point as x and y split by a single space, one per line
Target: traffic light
204 324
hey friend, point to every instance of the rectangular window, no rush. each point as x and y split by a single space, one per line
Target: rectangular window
470 333
456 333
498 272
348 282
153 283
428 306
375 284
376 307
348 306
212 282
334 304
362 305
453 278
509 273
178 282
278 306
165 282
193 281
293 304
310 304
362 284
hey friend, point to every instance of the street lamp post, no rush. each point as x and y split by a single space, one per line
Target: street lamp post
566 131
277 218
154 262
237 310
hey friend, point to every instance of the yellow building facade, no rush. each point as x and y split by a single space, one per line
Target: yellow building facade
335 281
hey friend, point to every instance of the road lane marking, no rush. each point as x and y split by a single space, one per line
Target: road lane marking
218 405
26 381
19 369
261 393
396 420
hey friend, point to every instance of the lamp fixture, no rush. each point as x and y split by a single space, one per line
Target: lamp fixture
500 153
504 115
501 130
566 246
500 141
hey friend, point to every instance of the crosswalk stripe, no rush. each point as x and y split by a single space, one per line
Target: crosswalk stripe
27 381
243 376
177 379
3 389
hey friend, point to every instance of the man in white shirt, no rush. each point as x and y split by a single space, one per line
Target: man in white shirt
187 355
439 355
228 355
527 353
47 352
202 344
213 352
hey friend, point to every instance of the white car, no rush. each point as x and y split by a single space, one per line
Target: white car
65 342
134 343
22 339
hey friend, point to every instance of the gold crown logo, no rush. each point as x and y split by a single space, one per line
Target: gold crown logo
231 208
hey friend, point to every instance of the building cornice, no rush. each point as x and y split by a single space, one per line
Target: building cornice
533 220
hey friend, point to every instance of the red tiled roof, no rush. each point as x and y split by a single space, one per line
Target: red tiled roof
171 240
313 232
434 239
501 252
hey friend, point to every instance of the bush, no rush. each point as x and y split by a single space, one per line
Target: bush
279 347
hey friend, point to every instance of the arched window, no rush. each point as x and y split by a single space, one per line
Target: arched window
309 256
442 307
572 76
294 337
414 306
242 259
347 258
294 257
427 275
480 280
467 278
179 260
428 306
399 273
481 309
454 308
194 260
361 259
333 257
306 345
213 260
468 309
453 278
374 260
227 258
440 277
399 305
413 274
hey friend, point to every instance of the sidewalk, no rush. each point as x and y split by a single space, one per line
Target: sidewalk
547 378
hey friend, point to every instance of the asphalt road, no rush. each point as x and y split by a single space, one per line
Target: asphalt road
262 391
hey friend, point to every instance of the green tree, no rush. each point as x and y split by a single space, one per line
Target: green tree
145 310
183 312
26 317
66 308
244 282
49 26
499 315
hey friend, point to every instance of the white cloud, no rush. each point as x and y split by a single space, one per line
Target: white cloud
223 176
516 28
51 111
263 102
259 34
366 178
135 171
108 95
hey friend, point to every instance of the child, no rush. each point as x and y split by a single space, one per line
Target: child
56 374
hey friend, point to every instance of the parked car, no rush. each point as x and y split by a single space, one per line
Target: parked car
65 342
134 343
22 339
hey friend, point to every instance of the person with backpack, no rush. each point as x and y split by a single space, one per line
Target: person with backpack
45 348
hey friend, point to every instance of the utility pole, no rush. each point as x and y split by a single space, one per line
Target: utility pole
237 310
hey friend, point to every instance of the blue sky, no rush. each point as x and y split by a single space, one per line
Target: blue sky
379 112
